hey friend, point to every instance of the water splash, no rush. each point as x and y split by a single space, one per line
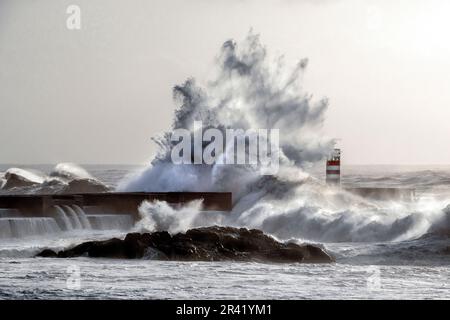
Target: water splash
63 219
160 216
82 217
253 91
250 91
64 178
76 222
26 227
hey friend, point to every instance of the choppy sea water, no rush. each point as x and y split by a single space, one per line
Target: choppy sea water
140 279
411 269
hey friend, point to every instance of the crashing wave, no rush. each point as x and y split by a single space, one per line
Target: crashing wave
20 178
251 91
65 178
70 171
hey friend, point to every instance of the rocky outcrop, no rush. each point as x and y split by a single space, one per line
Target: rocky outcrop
14 180
201 244
60 181
84 186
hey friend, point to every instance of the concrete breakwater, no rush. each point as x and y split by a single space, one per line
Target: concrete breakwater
111 202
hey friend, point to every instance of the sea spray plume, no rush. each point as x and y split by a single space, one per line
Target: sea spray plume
70 171
160 216
250 91
253 91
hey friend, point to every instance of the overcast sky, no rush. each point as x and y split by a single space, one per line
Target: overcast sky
97 95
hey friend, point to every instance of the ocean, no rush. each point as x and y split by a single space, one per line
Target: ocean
377 256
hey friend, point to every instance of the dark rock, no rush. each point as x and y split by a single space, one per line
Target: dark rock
201 244
14 180
84 186
47 253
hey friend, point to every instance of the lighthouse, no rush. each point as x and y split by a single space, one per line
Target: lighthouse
333 173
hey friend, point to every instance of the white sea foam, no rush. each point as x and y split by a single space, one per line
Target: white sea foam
30 175
70 171
253 91
30 181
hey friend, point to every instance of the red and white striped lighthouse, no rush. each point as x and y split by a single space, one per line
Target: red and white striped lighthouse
334 168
